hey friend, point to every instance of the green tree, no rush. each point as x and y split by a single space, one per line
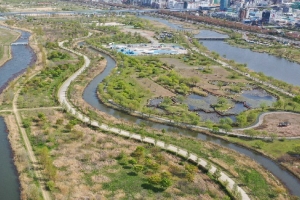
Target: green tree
50 185
138 168
227 128
293 104
132 161
297 99
215 129
42 116
191 168
263 106
272 136
139 152
251 132
27 122
208 166
222 101
166 180
228 120
251 116
209 124
278 104
241 119
155 179
259 144
217 173
151 164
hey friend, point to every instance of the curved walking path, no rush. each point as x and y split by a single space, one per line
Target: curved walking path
261 120
62 97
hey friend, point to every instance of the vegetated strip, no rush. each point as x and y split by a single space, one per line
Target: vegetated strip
62 97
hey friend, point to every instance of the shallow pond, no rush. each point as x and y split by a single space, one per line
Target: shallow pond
252 98
255 97
155 102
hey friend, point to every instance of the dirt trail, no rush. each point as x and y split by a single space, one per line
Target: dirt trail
28 146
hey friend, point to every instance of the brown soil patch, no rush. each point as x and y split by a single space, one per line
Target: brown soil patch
218 74
156 89
145 33
270 124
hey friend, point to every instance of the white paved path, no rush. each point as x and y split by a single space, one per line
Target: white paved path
62 97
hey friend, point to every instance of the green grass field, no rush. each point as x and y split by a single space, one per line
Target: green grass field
275 149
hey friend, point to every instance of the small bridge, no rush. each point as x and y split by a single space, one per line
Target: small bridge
19 43
211 38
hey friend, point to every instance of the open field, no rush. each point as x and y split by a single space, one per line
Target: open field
271 121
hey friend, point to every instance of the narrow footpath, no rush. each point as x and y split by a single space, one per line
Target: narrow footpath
28 146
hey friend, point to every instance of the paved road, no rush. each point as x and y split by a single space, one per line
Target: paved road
65 103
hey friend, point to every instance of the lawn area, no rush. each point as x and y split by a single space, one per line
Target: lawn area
275 149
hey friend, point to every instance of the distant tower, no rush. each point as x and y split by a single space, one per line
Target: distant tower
223 5
216 1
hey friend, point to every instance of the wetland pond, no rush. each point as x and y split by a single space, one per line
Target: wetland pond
203 104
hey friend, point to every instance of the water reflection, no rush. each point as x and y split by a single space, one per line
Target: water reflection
291 182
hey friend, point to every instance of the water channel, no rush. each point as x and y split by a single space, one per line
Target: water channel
273 66
22 57
291 182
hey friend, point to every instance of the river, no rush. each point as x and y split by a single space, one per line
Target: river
22 57
270 65
89 95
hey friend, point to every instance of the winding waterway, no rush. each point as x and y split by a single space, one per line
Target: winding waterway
22 57
89 95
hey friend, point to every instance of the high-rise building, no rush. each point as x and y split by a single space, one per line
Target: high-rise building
224 5
266 16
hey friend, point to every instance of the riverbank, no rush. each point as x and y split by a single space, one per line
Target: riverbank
20 153
35 64
5 50
148 129
121 132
